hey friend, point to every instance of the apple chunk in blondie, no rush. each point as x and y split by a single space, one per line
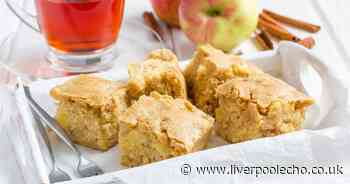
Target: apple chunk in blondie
158 127
208 69
160 72
88 110
258 106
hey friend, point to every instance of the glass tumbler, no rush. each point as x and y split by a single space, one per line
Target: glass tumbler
80 34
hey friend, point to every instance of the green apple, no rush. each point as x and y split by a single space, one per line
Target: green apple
222 23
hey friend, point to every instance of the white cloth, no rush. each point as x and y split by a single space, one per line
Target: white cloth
9 170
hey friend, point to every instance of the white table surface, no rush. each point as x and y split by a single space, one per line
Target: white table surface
333 45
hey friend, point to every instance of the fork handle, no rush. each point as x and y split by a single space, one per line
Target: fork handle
45 136
50 121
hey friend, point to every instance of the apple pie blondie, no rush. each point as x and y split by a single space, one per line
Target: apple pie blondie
88 110
208 69
258 106
163 55
160 72
158 127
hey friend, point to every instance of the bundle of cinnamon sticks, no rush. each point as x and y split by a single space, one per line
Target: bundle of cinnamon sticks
270 24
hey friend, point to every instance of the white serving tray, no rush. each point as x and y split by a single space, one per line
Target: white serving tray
290 62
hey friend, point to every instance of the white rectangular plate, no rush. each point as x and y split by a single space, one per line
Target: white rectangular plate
290 62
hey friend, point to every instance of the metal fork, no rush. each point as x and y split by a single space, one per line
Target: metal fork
86 167
56 174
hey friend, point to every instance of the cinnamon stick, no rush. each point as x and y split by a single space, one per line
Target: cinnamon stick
308 42
293 22
266 39
153 24
261 42
268 18
276 31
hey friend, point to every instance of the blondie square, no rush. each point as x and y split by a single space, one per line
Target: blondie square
158 127
208 69
258 106
160 72
88 110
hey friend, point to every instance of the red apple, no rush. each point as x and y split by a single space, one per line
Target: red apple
167 11
222 23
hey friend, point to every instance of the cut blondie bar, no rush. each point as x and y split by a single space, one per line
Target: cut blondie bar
158 127
160 72
258 106
89 108
210 68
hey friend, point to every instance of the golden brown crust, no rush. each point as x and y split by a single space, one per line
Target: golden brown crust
258 106
210 68
201 53
163 55
264 89
160 72
89 108
87 89
174 125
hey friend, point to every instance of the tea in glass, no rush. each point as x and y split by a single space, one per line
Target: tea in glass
80 33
